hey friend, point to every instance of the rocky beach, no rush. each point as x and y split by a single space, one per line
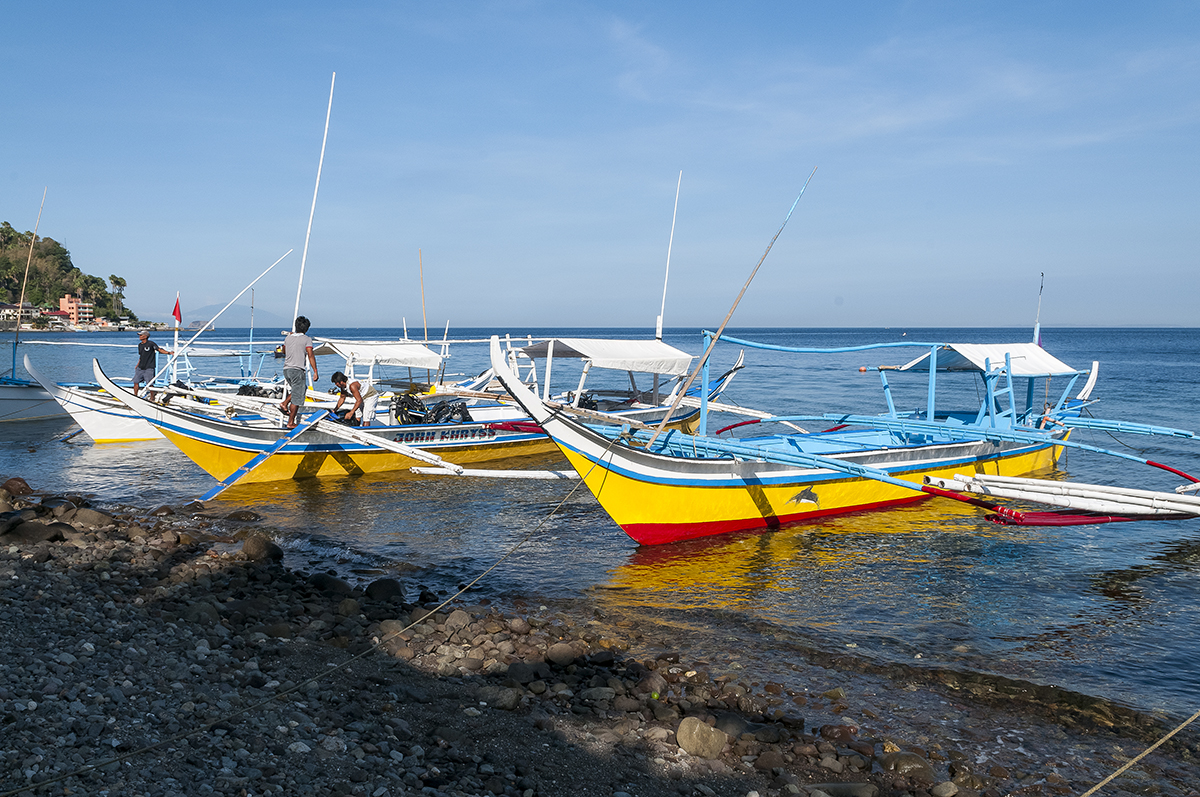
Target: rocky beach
169 651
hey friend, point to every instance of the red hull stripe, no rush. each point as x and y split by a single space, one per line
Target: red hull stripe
662 533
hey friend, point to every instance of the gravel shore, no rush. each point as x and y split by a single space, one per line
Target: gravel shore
169 652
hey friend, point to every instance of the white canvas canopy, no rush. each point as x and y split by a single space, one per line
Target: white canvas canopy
412 355
643 356
1028 359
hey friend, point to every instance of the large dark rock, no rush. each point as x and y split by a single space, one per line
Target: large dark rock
910 765
31 532
732 724
260 549
18 486
57 506
524 672
330 584
10 520
385 589
652 683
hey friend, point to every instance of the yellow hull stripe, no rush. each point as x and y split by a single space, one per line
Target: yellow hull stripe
220 461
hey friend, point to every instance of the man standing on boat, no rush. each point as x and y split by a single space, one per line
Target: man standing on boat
297 346
147 363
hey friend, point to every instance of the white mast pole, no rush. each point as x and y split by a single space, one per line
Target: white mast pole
21 301
1037 322
658 327
313 210
424 323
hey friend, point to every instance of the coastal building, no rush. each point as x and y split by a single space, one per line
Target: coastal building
58 319
79 311
8 312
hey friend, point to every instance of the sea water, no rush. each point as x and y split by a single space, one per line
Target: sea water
1108 610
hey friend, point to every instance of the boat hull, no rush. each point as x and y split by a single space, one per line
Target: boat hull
222 445
104 418
27 402
317 455
659 498
656 505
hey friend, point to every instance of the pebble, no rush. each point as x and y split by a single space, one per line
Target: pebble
136 626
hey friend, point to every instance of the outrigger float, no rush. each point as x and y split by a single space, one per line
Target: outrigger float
663 486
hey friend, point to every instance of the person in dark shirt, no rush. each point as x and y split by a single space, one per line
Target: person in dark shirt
147 362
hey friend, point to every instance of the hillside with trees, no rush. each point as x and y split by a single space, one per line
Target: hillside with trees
52 275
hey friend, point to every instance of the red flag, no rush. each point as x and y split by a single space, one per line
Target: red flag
178 315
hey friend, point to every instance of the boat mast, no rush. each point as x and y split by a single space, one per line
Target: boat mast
313 210
1037 322
21 302
250 355
424 323
658 327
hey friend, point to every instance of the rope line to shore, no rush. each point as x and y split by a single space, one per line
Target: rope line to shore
1141 755
319 676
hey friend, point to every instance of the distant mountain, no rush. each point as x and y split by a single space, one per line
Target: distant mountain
237 317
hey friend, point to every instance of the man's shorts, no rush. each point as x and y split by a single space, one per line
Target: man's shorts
296 384
143 375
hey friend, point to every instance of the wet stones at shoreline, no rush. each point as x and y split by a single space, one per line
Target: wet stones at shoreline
129 629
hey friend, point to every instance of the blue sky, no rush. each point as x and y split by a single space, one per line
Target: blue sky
530 151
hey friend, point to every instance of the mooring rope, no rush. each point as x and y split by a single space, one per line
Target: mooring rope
1140 756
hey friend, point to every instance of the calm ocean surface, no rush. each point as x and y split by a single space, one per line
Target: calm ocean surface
1109 610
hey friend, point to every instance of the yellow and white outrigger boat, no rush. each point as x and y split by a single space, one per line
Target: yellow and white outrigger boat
245 441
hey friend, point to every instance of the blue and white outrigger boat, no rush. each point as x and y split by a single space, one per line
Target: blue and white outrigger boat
662 486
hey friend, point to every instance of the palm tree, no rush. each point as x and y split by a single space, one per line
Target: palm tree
118 284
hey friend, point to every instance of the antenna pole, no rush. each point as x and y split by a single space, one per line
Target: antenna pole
658 327
313 210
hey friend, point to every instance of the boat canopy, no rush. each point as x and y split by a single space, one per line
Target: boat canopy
412 355
644 356
1028 359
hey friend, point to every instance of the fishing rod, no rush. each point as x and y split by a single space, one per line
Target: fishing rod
704 358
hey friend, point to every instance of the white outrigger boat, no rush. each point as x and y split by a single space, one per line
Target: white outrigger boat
22 400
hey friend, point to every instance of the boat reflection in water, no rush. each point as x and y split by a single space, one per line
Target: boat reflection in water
816 564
